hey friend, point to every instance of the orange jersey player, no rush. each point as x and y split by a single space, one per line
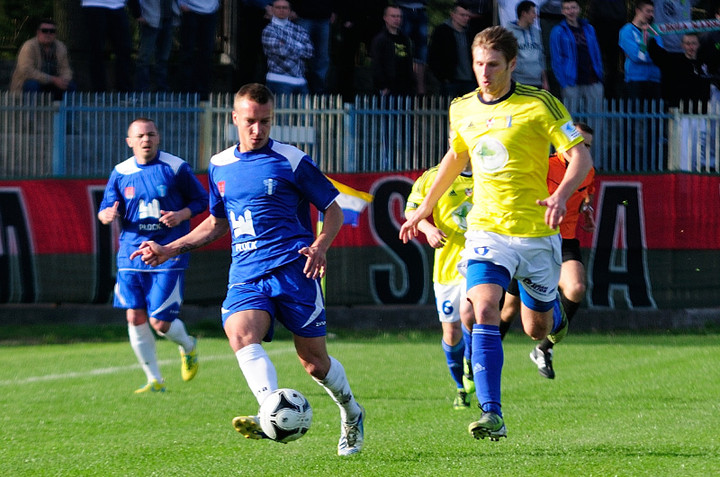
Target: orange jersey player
572 283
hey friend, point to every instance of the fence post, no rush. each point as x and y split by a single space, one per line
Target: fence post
675 140
349 139
59 137
206 129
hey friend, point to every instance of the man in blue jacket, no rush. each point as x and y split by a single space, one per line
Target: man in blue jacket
575 57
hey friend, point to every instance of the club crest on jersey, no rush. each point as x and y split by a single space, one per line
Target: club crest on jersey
129 192
270 186
489 155
161 190
221 188
489 123
242 224
468 191
460 214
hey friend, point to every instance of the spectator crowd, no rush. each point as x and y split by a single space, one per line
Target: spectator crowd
318 46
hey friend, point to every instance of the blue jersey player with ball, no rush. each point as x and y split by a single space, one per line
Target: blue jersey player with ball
260 191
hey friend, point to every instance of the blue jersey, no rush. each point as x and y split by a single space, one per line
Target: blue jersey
143 190
265 195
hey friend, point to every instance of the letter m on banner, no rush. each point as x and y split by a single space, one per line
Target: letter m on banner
618 259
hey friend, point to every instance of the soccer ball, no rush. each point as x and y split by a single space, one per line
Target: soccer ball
285 415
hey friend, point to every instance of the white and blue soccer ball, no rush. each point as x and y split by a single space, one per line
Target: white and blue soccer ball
285 415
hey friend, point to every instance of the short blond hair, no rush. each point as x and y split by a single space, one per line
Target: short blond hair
499 39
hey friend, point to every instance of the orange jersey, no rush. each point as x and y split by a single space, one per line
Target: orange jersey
556 172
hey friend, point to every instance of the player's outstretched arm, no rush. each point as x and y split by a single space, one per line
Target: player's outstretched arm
435 237
580 163
209 230
451 166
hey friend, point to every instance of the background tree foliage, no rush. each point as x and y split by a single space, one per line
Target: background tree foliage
18 19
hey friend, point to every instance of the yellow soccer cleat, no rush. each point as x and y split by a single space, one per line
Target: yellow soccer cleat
468 378
249 426
557 335
152 387
189 366
462 400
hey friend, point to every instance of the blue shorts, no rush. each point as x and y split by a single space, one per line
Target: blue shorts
287 295
160 293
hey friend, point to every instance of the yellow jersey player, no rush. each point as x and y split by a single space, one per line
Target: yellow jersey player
446 234
505 130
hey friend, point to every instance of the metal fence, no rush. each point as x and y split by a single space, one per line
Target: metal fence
26 135
83 135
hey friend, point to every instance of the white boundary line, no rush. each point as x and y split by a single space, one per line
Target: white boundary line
120 369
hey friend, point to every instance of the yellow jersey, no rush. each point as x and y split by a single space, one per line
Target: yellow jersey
508 141
450 216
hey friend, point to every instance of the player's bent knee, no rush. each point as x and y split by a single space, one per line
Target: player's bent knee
575 292
537 327
316 368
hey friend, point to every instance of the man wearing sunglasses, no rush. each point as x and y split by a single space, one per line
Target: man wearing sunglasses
42 64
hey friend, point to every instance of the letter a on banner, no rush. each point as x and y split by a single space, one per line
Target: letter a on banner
618 260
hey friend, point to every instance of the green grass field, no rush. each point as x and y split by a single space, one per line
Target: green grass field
620 405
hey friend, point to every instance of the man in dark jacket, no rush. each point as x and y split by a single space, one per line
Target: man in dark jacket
686 84
685 77
357 24
391 53
449 56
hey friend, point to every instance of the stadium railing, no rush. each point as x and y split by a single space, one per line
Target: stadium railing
83 135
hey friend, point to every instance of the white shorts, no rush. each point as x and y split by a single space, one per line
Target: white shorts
448 299
534 261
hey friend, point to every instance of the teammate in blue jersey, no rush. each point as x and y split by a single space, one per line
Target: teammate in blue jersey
260 190
154 194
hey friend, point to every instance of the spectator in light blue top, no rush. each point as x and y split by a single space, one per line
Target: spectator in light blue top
642 76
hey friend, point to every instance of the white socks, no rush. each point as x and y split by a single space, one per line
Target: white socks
262 380
258 370
142 341
337 386
177 334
